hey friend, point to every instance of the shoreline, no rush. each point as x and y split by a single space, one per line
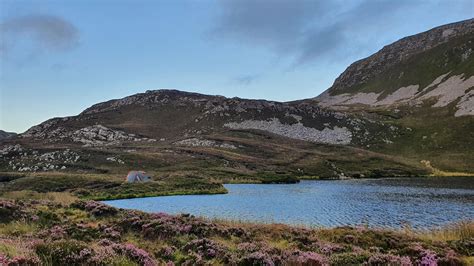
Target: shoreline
224 191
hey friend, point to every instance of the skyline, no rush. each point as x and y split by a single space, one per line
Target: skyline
59 58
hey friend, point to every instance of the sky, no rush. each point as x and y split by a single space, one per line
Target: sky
59 57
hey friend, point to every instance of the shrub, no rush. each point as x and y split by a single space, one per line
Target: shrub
9 211
18 260
205 248
136 254
351 258
307 258
257 258
388 259
167 252
64 252
96 208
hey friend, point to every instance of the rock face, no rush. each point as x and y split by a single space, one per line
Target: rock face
96 135
99 135
437 65
6 135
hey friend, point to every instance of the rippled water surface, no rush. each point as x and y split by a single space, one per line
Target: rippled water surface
421 202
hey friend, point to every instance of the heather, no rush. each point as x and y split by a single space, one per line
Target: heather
34 232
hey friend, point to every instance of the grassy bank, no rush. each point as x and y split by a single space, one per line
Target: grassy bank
108 187
56 232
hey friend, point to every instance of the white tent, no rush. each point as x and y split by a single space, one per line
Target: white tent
137 176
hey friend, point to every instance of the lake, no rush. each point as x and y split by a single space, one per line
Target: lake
393 202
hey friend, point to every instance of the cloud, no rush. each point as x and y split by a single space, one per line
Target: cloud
43 33
308 31
246 79
277 23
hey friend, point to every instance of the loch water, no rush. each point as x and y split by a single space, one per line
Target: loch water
390 202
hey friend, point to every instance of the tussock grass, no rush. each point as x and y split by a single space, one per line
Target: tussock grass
463 230
437 172
64 198
9 250
17 228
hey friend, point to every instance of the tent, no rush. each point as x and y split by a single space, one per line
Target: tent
137 176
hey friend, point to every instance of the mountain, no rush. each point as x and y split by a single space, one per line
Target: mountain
6 135
406 110
435 65
424 82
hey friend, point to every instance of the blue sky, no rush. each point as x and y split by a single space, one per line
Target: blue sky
59 57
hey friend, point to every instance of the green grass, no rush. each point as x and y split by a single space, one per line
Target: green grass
17 228
104 187
436 136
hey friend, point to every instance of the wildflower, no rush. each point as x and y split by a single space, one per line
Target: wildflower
388 259
204 247
307 258
257 258
429 259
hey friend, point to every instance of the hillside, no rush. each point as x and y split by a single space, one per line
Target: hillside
6 135
423 82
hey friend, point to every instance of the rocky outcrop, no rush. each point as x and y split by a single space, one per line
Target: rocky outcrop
336 135
96 135
47 130
27 160
99 135
196 142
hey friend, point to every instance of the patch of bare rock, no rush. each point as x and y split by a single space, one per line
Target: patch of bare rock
336 135
196 142
445 90
96 135
25 160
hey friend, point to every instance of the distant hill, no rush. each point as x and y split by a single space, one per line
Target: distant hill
6 135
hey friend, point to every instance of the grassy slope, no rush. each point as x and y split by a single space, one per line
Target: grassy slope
259 158
422 68
437 136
